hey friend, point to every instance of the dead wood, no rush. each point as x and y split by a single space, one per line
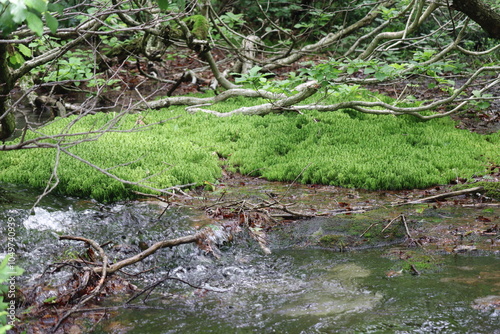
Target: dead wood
481 205
97 289
104 270
58 106
138 257
442 196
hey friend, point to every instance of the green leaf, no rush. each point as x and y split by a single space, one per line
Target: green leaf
254 70
16 60
6 271
39 6
164 4
24 50
55 7
483 105
51 22
6 23
380 76
50 300
34 23
181 4
19 11
369 70
3 265
476 93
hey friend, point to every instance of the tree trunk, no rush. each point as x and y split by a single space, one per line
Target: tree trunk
481 13
7 119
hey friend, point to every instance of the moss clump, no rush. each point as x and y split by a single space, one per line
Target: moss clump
376 152
333 241
198 24
340 148
409 260
492 189
421 261
153 157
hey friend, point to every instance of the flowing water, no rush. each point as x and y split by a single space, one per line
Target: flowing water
292 290
317 291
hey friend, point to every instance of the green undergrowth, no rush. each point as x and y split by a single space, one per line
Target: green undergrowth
410 260
153 157
371 152
343 148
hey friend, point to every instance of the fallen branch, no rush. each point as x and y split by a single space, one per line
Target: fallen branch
481 205
142 255
409 239
287 103
97 289
192 101
308 89
392 221
369 228
443 196
103 270
59 107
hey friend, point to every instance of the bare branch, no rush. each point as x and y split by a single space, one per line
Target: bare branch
50 185
151 250
266 108
330 38
362 106
443 196
103 271
192 101
418 18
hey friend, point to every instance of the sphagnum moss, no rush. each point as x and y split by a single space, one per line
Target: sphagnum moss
338 148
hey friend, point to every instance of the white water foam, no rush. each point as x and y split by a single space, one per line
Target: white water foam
45 220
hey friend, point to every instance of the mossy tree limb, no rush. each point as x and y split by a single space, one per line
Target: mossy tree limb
202 48
481 13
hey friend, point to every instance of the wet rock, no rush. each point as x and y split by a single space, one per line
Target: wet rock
464 249
487 303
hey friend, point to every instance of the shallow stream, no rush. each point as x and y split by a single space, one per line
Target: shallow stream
293 290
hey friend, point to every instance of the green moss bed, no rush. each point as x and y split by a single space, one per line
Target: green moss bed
343 148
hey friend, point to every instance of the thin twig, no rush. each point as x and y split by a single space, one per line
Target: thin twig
293 182
403 219
369 228
387 226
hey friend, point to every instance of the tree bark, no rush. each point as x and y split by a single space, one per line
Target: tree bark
481 13
7 120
